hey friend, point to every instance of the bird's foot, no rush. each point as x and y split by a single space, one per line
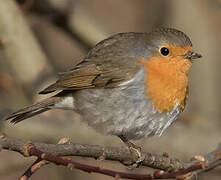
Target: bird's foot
138 156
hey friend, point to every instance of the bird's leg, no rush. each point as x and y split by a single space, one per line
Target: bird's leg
134 149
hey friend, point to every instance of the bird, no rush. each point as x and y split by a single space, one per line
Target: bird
132 85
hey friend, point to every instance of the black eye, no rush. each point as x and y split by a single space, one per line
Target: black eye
164 51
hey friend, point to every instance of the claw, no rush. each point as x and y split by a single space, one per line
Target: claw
135 150
139 156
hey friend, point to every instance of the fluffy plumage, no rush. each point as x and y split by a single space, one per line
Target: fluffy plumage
125 86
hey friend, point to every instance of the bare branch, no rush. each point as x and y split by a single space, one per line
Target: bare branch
39 163
172 168
33 168
31 150
94 151
210 161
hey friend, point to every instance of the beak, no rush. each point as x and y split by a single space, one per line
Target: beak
191 55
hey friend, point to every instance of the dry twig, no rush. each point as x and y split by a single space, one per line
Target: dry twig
39 163
33 168
172 168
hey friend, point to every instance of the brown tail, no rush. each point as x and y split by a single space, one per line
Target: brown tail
33 110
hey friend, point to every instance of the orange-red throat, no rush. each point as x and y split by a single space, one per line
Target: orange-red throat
166 79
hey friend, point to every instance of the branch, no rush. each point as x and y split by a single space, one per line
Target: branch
50 152
33 168
93 151
210 160
32 151
39 163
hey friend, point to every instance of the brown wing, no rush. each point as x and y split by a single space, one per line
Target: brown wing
93 73
108 64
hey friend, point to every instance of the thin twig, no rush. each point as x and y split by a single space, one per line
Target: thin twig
94 151
172 167
39 163
33 168
87 168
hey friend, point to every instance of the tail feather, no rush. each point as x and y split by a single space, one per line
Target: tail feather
33 110
20 117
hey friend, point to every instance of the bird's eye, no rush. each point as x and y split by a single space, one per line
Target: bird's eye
164 51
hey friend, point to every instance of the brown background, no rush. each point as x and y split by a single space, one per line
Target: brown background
64 31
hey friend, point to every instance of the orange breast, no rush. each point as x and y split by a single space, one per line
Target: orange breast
166 82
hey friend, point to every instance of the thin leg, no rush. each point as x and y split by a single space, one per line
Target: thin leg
134 149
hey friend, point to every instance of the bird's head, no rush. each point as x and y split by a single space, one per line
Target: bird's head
167 60
170 45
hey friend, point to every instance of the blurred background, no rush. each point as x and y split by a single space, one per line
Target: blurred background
39 38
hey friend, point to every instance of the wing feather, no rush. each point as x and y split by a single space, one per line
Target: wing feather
107 65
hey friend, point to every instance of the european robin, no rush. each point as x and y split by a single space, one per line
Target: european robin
131 85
